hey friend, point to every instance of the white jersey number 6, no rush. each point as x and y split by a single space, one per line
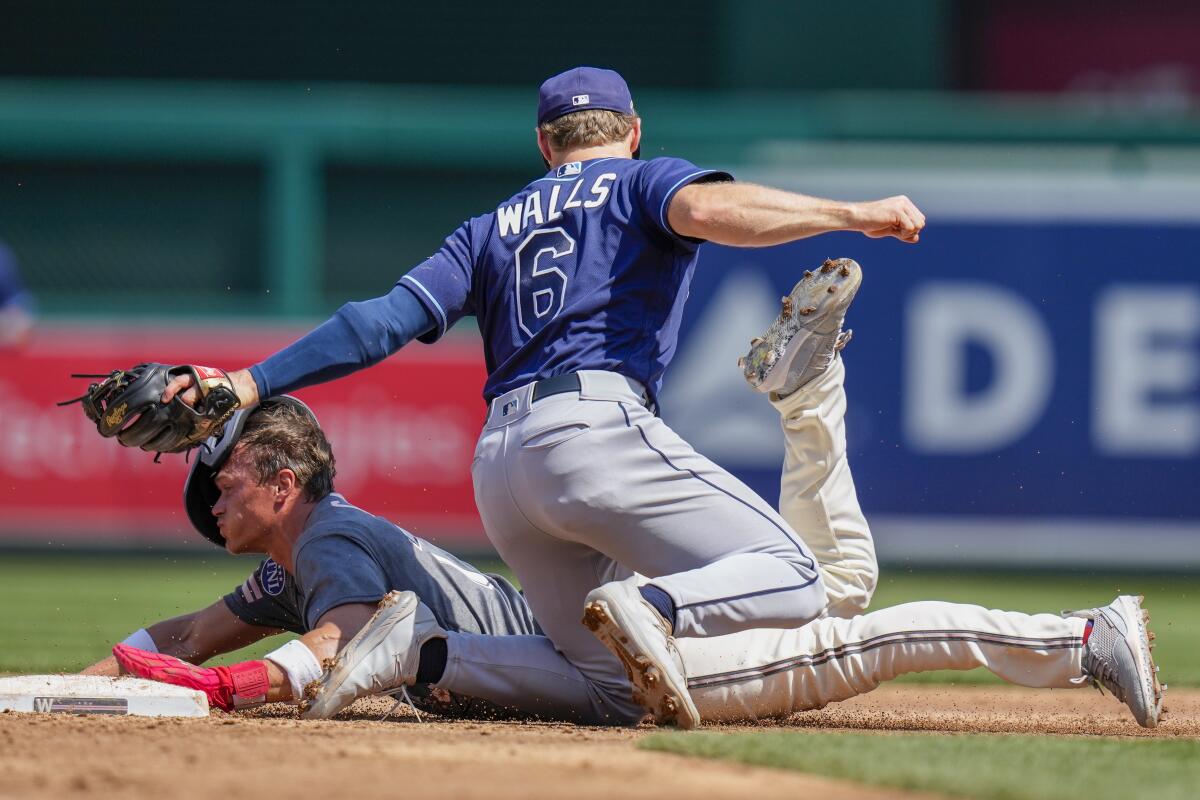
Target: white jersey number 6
540 284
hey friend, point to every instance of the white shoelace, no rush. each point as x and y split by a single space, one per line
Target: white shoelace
402 697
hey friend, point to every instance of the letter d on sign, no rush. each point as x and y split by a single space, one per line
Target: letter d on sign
939 415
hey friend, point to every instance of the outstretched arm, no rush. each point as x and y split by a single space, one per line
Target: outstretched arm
195 637
356 336
747 215
280 676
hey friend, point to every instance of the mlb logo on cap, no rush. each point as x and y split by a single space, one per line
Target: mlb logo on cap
583 88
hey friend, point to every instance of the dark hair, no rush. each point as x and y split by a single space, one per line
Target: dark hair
280 436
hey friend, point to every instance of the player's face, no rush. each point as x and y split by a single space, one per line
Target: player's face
245 509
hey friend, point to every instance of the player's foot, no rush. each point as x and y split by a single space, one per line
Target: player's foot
639 636
803 340
384 655
1117 657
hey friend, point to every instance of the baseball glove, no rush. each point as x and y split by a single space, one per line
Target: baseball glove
128 404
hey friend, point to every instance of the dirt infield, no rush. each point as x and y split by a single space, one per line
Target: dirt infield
272 754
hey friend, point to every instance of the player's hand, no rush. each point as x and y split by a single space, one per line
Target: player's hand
897 217
227 688
185 387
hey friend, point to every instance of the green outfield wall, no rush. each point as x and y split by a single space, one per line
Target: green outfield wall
287 200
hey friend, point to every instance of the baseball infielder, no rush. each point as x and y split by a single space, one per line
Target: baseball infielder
578 283
467 642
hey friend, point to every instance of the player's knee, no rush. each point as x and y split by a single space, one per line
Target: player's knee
870 578
849 592
807 600
818 597
867 571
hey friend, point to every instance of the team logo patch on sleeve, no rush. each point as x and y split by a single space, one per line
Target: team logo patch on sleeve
272 577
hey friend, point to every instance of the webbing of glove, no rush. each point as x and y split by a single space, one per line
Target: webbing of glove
122 396
127 404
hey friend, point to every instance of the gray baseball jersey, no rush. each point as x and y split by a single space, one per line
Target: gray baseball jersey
346 555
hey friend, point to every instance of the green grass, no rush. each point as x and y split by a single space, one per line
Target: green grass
976 766
63 612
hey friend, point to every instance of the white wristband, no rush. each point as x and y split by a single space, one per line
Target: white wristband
298 663
142 640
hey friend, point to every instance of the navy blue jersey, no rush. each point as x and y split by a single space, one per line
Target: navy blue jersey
578 270
346 555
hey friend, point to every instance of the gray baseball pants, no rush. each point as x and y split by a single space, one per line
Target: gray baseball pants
579 489
766 672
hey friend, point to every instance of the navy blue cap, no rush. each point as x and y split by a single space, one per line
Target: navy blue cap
580 89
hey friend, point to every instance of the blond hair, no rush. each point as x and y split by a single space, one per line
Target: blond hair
589 128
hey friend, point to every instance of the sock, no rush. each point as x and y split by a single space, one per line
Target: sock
433 661
661 601
1087 630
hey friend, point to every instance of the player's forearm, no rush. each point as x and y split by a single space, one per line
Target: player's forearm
322 643
298 663
325 641
183 638
356 336
746 215
203 634
174 637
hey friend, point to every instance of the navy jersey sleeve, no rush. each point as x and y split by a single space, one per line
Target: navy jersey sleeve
443 283
267 598
657 184
334 569
357 336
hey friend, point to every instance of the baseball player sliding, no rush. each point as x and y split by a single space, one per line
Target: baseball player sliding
578 283
467 642
265 485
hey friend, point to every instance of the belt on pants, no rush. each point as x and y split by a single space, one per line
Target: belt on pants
559 384
597 384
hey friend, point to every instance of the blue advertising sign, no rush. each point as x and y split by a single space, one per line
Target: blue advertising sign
1013 385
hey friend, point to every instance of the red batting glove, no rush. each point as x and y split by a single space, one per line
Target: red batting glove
228 688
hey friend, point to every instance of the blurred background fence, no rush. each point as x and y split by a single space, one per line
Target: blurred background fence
203 182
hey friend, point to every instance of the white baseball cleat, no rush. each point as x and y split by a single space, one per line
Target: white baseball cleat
1117 656
803 340
638 635
383 656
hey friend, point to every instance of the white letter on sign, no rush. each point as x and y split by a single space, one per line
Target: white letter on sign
1146 346
940 416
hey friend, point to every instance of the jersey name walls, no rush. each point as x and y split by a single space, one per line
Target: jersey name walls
513 219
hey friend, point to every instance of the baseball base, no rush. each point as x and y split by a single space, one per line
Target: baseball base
93 694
